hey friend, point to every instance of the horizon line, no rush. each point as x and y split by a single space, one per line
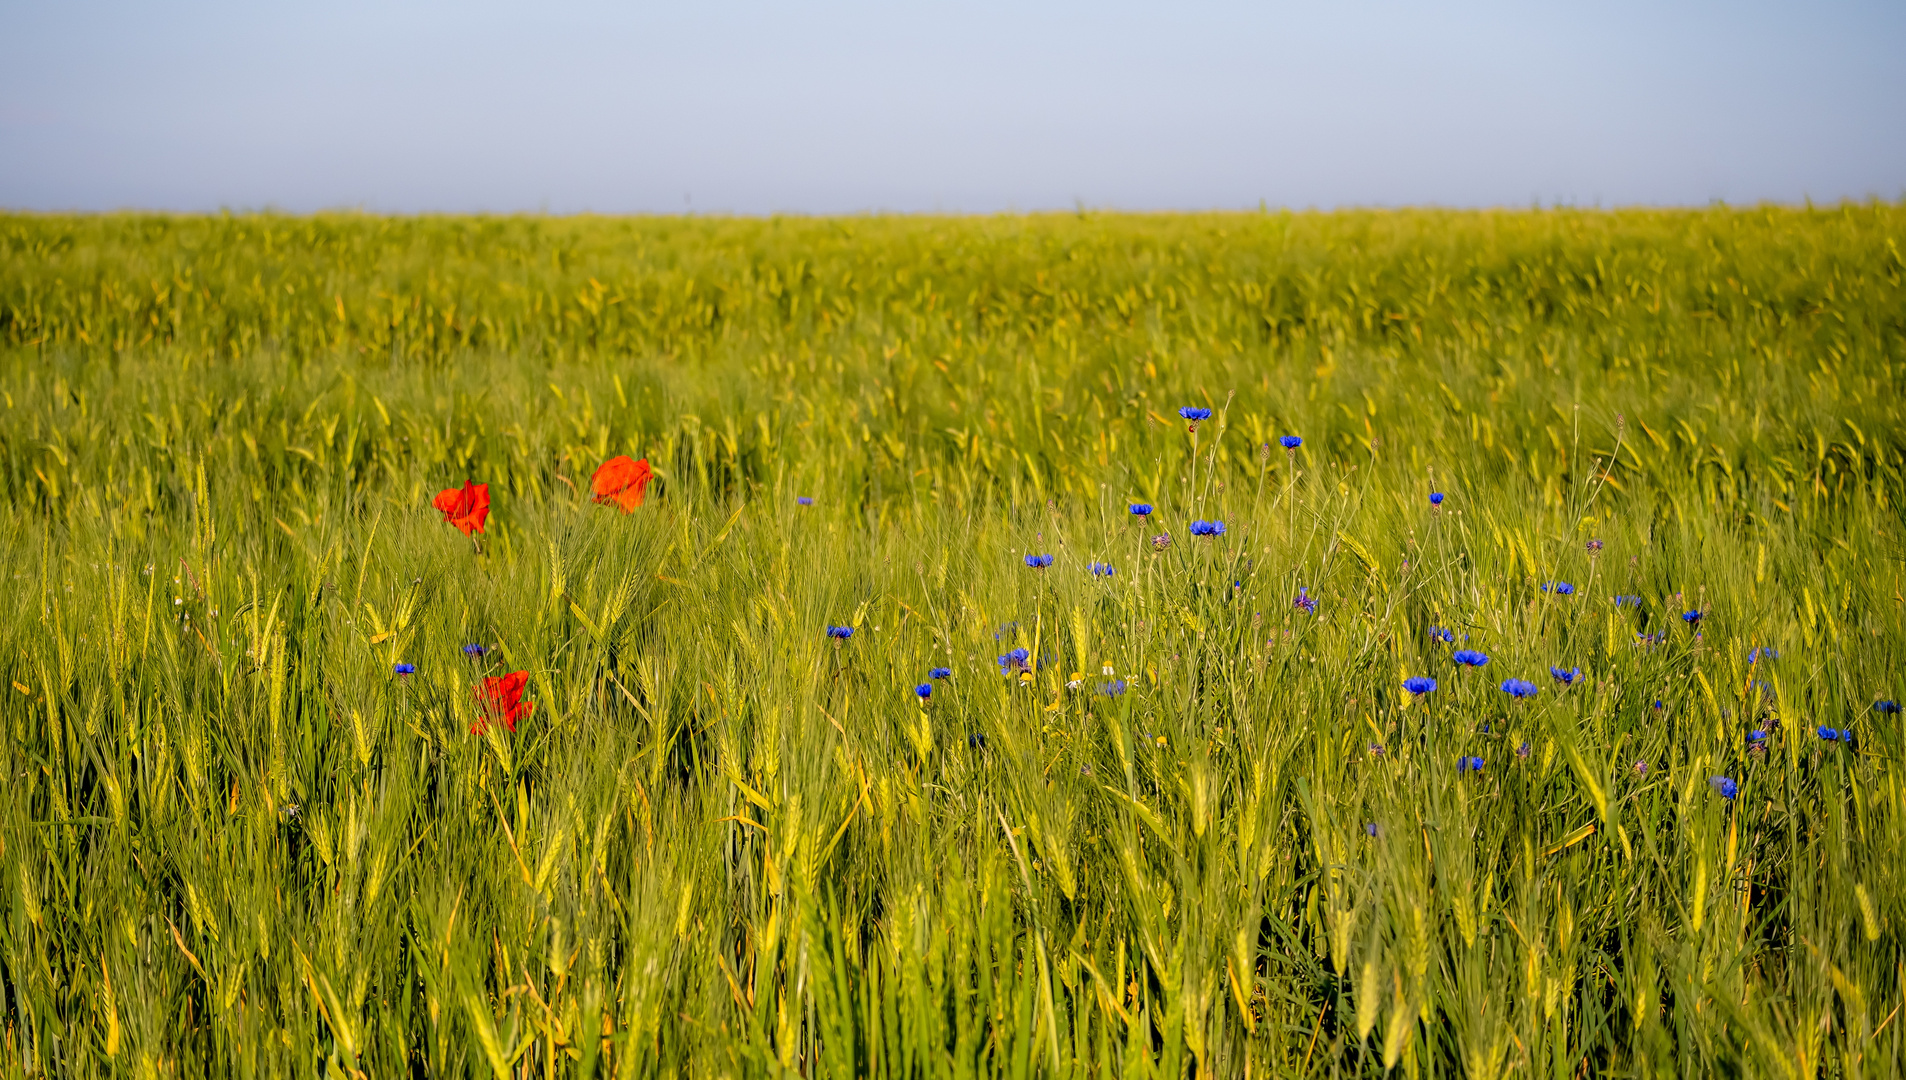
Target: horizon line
1806 205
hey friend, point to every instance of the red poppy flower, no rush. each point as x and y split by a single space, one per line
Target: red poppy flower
622 481
464 507
501 700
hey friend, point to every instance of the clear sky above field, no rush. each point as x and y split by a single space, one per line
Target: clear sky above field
839 105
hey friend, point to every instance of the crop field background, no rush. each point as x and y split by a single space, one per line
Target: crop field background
1200 829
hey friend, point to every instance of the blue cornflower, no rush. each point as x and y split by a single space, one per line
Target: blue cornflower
1418 685
1038 562
1304 603
1370 828
1756 736
1725 786
1757 655
840 633
475 650
405 669
1559 588
1835 734
1194 414
1659 706
1594 547
1517 688
1627 601
1888 708
1437 633
1469 658
1290 442
1141 509
1013 661
976 741
1436 498
1100 569
1113 688
923 691
940 673
1651 639
1468 764
804 500
1523 750
1207 528
1691 617
1566 676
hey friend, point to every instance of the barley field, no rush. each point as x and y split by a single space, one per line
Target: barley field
1502 682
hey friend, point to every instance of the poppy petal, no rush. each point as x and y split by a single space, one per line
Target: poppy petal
622 481
466 507
501 700
474 508
611 477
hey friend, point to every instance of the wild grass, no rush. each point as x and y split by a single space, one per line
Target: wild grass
236 843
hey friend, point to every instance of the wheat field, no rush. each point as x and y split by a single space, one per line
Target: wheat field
1167 807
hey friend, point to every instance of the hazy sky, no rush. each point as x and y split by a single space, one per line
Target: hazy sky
837 105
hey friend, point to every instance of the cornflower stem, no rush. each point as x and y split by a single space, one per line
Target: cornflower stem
1191 477
1290 492
1210 471
1038 626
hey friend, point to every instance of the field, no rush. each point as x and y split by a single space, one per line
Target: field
1202 828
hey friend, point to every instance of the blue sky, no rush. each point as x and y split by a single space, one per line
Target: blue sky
835 106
